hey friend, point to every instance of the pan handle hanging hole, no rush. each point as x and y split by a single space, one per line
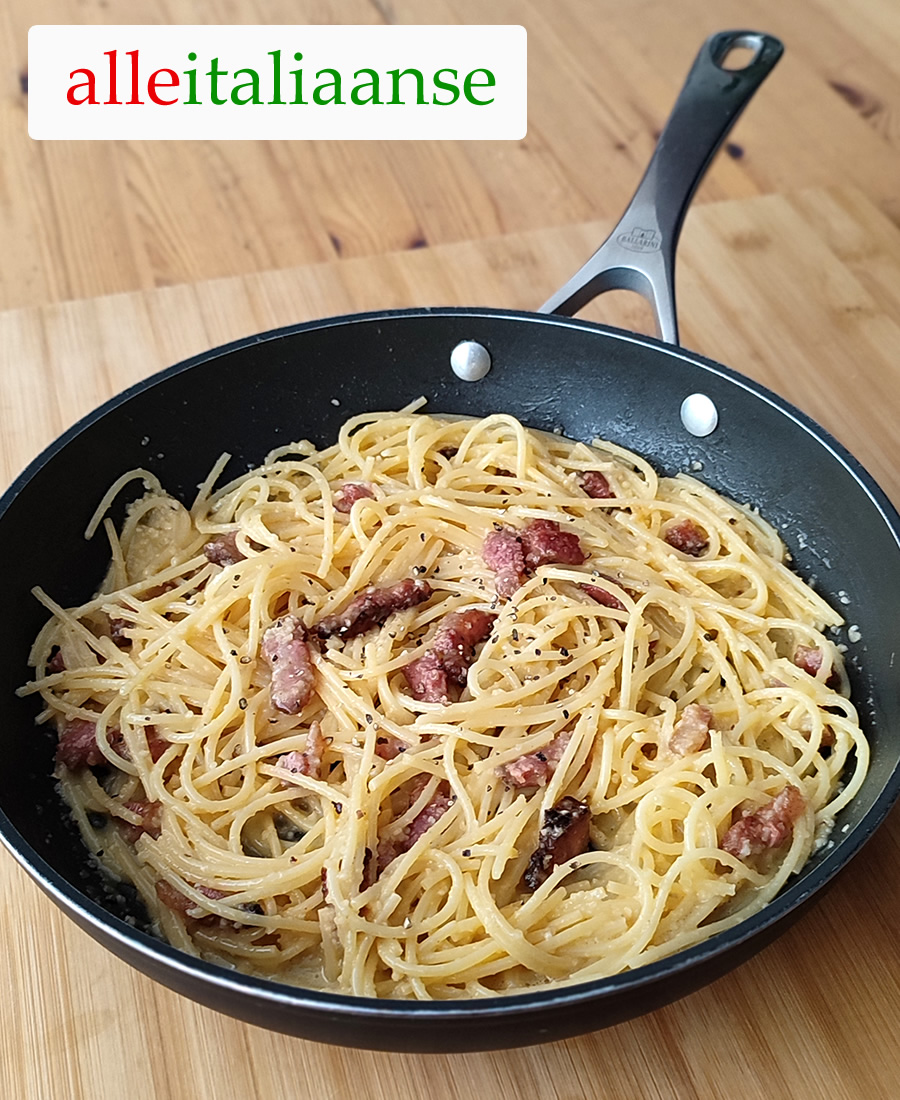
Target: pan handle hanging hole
470 361
741 52
699 414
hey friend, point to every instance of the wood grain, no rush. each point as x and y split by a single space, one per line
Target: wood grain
799 291
80 219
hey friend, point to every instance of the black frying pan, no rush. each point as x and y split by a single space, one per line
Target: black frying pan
555 374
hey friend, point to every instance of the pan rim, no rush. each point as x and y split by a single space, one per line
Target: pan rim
133 941
844 456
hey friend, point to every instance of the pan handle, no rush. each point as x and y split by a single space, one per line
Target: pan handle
639 254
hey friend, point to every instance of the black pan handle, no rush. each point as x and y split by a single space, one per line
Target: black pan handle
639 254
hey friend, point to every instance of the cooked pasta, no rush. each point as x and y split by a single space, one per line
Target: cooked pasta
449 709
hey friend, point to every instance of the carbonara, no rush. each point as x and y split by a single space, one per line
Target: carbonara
449 709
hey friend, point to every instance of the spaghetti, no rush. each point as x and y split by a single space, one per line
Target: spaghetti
541 716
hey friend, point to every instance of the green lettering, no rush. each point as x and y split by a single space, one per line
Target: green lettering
445 86
297 74
253 83
356 96
395 75
276 78
469 83
191 74
214 73
334 84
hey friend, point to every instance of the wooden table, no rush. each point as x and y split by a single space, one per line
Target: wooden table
121 259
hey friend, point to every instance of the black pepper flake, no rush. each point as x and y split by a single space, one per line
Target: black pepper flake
565 714
422 535
515 635
564 651
421 569
242 703
97 820
245 660
537 653
369 719
338 807
237 576
467 851
234 653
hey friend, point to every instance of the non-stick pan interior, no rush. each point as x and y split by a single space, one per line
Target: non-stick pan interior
554 374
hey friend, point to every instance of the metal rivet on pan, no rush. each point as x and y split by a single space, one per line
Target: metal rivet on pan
470 360
699 414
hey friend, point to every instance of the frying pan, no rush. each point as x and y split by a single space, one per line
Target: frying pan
555 374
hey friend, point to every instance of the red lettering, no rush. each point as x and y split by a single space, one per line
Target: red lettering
90 84
113 88
153 84
135 96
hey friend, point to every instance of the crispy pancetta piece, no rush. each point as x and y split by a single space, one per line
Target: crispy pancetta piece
350 492
688 537
691 731
150 814
603 596
181 903
392 846
372 607
564 834
286 650
223 550
596 485
447 660
504 554
309 761
510 553
768 827
535 768
545 543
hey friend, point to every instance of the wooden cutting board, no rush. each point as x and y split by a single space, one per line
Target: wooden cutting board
800 292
